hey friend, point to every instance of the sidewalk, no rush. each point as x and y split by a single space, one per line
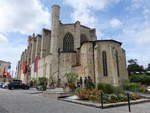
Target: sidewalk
145 95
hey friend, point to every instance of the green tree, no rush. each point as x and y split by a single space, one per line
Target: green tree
148 67
134 66
42 81
71 77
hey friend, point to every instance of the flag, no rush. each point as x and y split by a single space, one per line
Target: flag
24 68
12 74
3 72
36 64
9 67
8 70
21 65
8 74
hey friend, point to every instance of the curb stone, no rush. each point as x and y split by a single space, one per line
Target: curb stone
98 105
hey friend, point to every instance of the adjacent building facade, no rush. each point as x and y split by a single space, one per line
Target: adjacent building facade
4 71
72 48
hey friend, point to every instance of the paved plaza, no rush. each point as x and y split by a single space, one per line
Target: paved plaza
30 101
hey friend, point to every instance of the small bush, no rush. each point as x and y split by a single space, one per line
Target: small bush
42 81
113 98
134 96
108 88
86 94
71 77
89 85
143 88
118 90
143 79
122 97
131 86
83 94
95 95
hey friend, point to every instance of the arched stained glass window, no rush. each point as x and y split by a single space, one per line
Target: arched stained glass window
68 43
104 59
83 38
117 62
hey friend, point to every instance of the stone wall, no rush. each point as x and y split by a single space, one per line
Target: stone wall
38 46
86 59
112 77
45 43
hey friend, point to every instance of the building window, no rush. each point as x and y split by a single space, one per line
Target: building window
117 62
68 43
83 38
104 58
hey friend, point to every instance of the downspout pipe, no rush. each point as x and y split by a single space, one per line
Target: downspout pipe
93 44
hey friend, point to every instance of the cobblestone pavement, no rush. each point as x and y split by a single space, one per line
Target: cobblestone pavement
28 101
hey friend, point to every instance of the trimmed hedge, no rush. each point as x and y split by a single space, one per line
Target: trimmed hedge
108 88
143 79
134 87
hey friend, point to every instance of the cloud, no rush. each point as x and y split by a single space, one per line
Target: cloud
3 39
135 36
143 36
115 22
23 16
84 10
11 51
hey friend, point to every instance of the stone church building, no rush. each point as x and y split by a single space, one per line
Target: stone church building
72 48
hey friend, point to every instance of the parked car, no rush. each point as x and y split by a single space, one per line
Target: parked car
148 88
5 85
17 84
1 84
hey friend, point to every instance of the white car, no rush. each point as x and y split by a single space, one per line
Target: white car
5 85
148 88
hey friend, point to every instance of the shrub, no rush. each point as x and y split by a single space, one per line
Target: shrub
42 81
108 88
89 85
118 90
71 77
95 95
131 86
86 94
122 97
134 96
143 79
143 88
113 98
71 85
83 94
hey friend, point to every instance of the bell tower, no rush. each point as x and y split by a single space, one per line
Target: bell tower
55 28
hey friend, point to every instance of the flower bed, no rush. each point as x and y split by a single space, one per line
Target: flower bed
94 95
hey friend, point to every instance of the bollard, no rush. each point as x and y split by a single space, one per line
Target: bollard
102 100
128 95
